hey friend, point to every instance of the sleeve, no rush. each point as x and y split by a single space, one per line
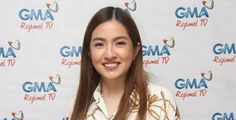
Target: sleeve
171 108
162 105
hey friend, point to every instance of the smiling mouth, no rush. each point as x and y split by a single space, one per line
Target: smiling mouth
111 65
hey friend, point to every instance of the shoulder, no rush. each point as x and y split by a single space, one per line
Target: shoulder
161 103
159 91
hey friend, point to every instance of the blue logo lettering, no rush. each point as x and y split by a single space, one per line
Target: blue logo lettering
67 51
26 14
224 116
185 84
38 87
182 12
9 119
8 53
155 50
224 49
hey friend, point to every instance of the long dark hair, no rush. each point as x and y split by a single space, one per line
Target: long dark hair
90 78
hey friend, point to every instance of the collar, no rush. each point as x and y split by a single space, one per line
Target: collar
99 101
97 93
134 97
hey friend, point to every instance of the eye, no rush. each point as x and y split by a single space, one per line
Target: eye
98 45
120 43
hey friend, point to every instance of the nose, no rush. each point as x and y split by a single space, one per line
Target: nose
110 53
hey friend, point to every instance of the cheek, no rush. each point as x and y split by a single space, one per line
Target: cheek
96 55
126 54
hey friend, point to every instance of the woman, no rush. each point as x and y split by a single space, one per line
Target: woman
113 84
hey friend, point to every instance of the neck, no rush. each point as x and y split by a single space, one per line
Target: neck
112 92
112 87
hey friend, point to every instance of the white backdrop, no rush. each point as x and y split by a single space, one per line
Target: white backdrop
189 48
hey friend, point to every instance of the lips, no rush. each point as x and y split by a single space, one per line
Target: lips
111 65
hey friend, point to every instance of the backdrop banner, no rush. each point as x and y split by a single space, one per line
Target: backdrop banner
189 47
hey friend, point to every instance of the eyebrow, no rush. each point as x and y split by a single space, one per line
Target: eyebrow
114 39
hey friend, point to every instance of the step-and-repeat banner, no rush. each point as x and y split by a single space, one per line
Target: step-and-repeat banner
189 47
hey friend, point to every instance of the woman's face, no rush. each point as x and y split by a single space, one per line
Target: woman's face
111 50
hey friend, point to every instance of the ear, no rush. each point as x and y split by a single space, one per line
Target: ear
136 50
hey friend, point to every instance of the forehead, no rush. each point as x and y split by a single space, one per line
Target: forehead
110 29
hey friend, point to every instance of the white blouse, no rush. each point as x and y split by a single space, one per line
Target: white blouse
160 106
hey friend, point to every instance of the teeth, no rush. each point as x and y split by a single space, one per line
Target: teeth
111 65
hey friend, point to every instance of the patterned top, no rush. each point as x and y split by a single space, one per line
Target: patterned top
160 105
